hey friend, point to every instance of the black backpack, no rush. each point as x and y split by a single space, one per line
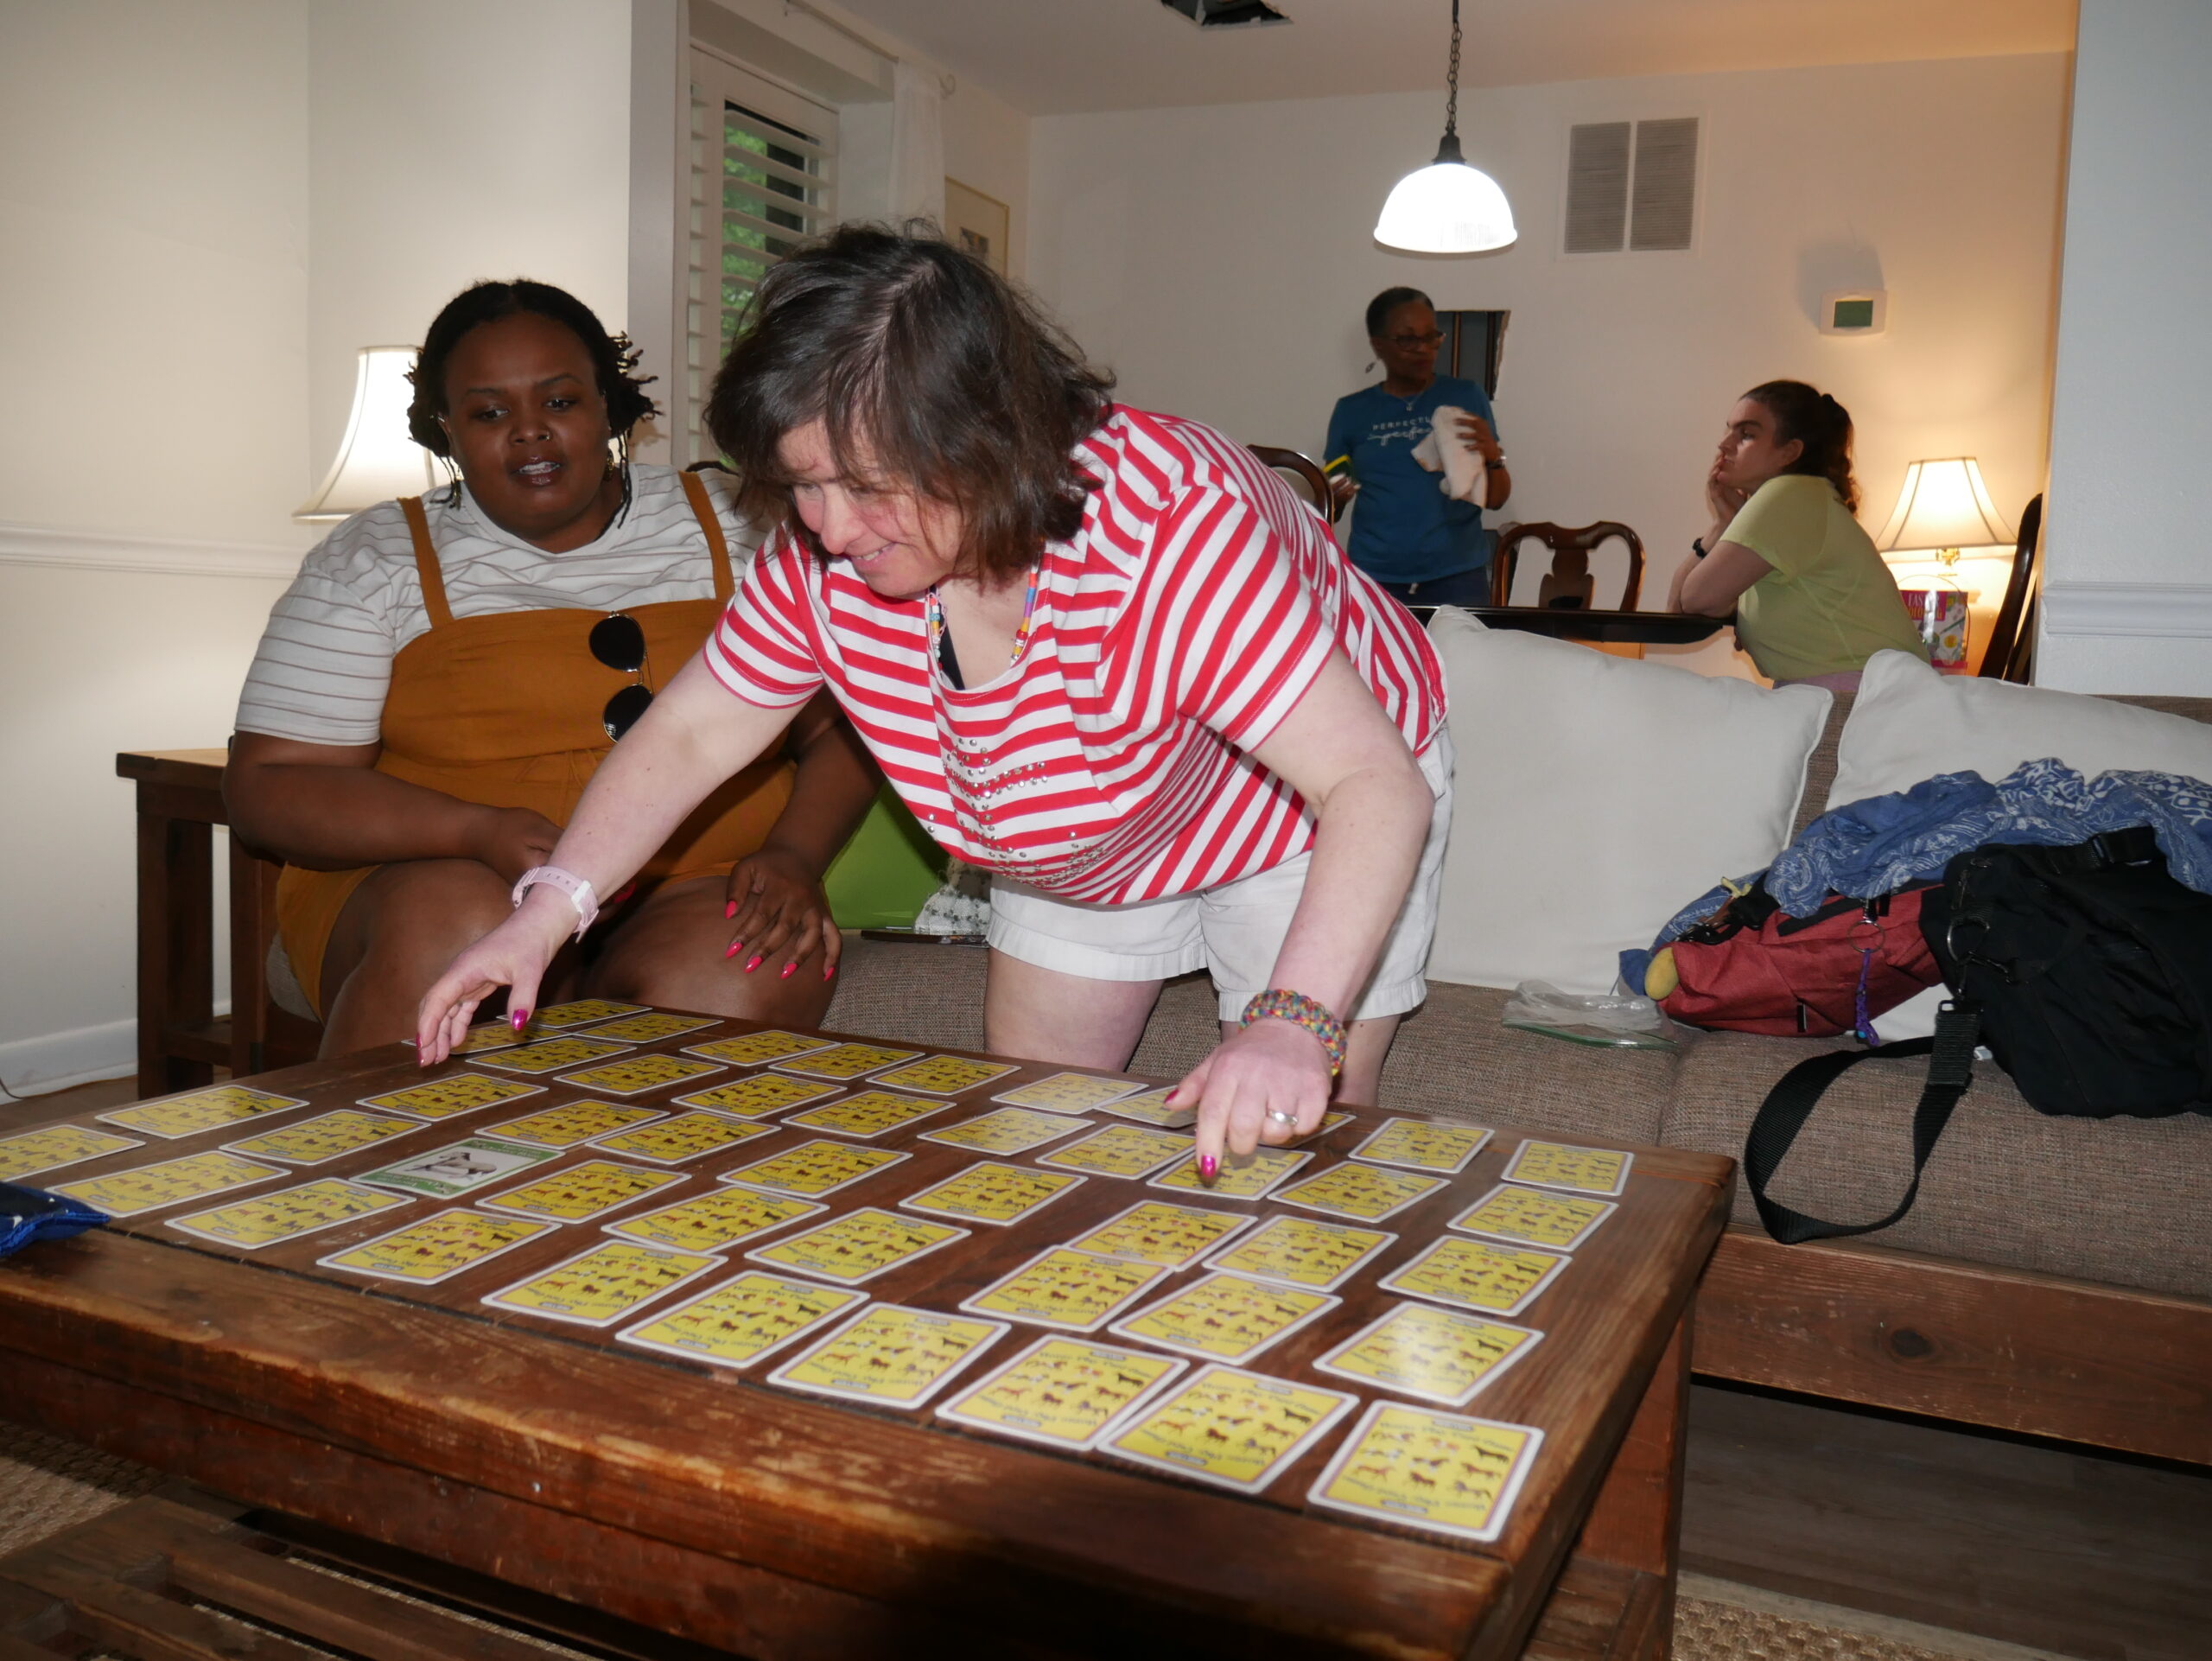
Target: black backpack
2087 972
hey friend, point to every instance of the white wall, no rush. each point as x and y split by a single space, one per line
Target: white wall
1219 258
153 308
454 142
2128 605
987 148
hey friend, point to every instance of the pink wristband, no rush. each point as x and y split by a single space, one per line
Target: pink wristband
578 889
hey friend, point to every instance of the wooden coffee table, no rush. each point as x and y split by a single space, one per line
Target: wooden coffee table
702 1502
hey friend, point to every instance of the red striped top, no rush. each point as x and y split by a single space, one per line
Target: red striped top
1193 610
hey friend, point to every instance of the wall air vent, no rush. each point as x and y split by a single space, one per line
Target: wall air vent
1226 13
1631 186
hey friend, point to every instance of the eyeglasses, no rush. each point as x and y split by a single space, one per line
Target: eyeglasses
1407 343
619 642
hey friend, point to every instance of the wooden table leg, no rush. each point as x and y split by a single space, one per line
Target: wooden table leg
1637 1521
175 929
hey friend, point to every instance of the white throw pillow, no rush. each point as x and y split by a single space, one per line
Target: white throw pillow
1911 723
1596 797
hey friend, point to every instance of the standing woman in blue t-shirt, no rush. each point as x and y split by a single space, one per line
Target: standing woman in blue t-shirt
1406 533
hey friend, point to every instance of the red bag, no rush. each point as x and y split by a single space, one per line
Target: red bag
1751 968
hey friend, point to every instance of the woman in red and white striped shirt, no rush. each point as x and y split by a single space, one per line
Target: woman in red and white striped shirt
1105 655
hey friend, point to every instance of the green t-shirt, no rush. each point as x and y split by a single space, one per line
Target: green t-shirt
1831 603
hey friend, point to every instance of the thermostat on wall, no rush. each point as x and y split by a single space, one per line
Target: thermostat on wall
1855 311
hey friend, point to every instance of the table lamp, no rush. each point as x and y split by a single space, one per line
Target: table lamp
1944 508
377 460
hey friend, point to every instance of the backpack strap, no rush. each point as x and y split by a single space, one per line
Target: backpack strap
1790 1102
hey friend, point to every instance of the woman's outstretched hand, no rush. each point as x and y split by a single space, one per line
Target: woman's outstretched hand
1270 1067
513 955
780 917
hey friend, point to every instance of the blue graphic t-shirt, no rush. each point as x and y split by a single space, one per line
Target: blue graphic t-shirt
1404 528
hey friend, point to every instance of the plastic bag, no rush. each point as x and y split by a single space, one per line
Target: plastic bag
28 1214
1612 1020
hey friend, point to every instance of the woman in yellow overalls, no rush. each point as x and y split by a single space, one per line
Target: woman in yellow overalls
405 824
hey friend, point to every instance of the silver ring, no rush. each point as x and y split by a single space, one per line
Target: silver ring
1281 1118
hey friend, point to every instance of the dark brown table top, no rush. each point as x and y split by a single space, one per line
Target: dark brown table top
872 1500
1649 627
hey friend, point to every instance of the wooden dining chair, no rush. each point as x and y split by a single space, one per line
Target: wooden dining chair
2010 652
1568 585
1303 473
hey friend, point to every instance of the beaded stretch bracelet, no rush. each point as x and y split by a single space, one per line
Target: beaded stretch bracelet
1279 1004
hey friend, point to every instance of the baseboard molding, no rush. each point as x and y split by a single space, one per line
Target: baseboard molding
2178 611
108 550
52 1061
34 1066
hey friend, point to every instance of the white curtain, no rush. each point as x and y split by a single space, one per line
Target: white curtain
916 142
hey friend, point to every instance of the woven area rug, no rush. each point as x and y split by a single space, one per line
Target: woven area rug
47 1484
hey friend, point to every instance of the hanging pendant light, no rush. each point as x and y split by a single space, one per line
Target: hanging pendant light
1447 207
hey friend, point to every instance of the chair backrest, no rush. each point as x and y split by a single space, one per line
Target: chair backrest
2012 644
1303 474
1568 585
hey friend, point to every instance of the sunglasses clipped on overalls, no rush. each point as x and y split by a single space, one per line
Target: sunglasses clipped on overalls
618 641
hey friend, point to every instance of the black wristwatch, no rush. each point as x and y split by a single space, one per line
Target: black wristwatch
1698 547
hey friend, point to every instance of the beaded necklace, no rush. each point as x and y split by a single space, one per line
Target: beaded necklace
933 611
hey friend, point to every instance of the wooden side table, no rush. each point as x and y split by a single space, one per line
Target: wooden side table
181 1038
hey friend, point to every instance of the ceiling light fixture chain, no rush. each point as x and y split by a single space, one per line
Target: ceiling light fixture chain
1452 78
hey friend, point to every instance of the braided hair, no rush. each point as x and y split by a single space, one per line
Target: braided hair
1818 422
613 359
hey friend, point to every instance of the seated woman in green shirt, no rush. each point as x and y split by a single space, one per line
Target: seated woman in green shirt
1813 599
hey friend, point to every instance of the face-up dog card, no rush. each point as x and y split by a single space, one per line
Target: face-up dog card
1222 1425
1061 1392
1225 1317
1421 1468
1078 1291
741 1320
1440 1355
891 1356
988 1192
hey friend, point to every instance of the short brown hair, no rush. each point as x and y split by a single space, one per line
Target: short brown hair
923 359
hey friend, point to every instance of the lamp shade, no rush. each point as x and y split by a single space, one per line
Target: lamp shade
1944 504
377 460
1446 207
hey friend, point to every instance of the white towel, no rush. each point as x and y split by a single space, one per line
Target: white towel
1444 451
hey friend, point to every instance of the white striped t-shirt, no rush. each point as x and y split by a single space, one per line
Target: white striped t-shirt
324 660
1193 610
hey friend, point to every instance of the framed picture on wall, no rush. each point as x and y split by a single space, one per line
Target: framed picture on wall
976 223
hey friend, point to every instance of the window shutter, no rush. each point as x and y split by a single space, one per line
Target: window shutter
1597 187
1666 184
763 178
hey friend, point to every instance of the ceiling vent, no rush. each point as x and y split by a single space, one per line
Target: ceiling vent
1633 186
1226 13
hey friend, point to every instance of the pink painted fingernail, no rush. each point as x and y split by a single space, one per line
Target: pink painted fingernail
830 972
521 1018
755 964
786 975
1209 1167
729 911
735 946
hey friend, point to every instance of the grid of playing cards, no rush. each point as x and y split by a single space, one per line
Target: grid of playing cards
1012 1251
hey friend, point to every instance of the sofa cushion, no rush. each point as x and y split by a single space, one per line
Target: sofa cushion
1595 797
908 993
1909 723
2121 1200
1452 1058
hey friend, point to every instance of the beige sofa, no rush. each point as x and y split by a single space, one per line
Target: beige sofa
2055 1277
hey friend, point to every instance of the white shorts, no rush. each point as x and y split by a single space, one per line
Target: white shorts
1235 931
